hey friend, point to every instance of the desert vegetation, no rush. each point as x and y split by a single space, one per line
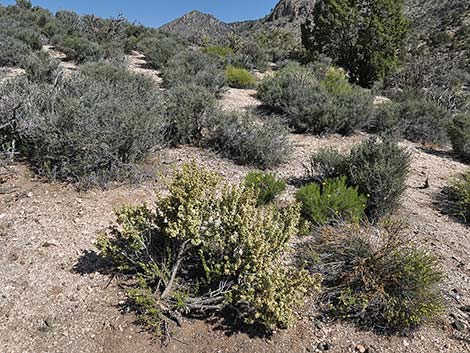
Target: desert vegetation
284 213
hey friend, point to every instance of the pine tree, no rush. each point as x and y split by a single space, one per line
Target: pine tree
362 36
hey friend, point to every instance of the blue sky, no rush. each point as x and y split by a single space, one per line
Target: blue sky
157 12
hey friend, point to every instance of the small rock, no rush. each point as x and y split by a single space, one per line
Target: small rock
458 325
406 343
360 348
324 346
465 308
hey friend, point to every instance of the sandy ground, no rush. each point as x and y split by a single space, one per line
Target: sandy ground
53 297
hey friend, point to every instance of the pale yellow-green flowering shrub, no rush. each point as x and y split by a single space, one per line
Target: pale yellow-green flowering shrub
207 246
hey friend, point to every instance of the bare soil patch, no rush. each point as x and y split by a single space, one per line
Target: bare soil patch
53 297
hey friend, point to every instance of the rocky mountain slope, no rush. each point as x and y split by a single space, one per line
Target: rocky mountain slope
286 15
195 25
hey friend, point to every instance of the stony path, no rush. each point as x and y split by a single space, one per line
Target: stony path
66 65
138 64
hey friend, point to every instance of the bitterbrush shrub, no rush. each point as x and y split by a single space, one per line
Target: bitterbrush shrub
207 247
331 201
249 141
458 194
316 100
459 133
378 168
239 77
268 186
376 277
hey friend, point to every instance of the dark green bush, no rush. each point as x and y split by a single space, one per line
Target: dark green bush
40 67
196 67
205 248
459 134
378 168
267 185
80 49
316 101
247 140
458 193
331 201
376 277
239 78
84 129
189 112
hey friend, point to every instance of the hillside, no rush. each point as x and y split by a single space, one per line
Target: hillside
196 25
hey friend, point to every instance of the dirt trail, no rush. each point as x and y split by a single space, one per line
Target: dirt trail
138 64
65 64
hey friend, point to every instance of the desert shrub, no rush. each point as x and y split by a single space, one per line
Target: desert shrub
189 111
385 120
316 101
196 67
239 78
12 51
267 185
159 49
30 38
83 129
247 140
251 56
459 134
459 197
40 67
378 168
423 120
220 51
376 277
80 49
207 247
331 201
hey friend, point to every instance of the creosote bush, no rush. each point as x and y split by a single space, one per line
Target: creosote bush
83 129
316 99
239 78
207 247
376 277
459 134
331 201
267 185
378 168
458 194
249 141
